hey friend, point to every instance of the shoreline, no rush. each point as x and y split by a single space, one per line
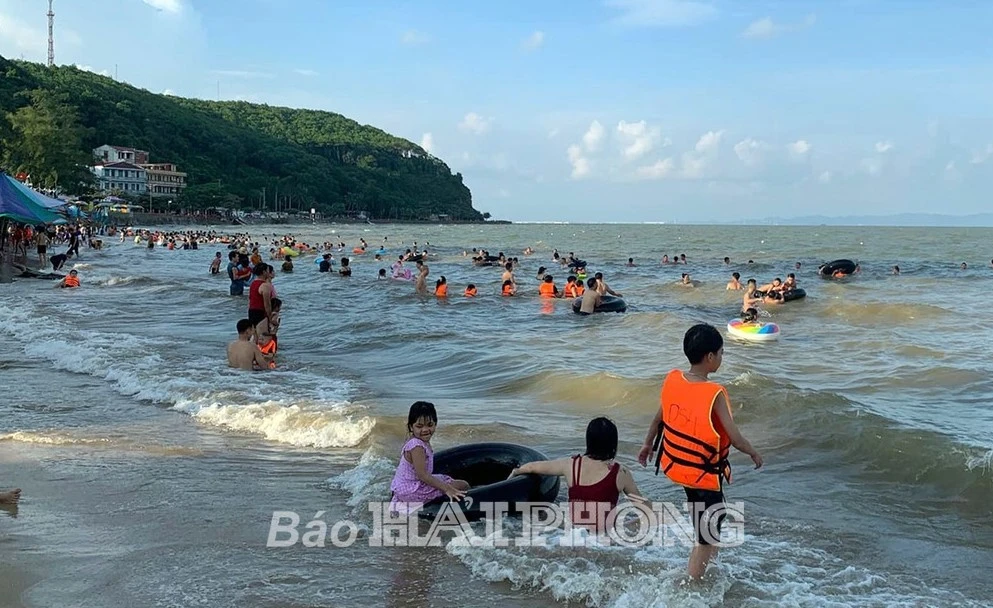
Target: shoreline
156 219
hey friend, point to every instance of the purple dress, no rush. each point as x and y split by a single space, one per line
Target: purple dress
406 487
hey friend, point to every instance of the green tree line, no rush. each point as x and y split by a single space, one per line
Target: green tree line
51 119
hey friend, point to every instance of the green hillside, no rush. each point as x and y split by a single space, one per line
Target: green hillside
232 150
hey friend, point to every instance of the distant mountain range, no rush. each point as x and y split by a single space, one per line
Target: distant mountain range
900 219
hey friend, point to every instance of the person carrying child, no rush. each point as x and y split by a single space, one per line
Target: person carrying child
266 332
415 482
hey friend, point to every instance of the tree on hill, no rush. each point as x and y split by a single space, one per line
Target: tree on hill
316 159
45 140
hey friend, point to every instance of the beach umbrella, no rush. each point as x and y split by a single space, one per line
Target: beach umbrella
19 204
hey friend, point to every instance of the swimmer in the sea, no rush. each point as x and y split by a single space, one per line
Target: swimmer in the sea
602 286
790 283
215 264
735 283
541 273
382 274
727 260
750 298
508 274
71 281
508 289
750 316
441 288
243 353
687 281
573 288
420 284
665 260
547 288
266 333
964 266
630 263
896 270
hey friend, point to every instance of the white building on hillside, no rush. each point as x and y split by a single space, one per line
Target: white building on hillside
119 154
126 177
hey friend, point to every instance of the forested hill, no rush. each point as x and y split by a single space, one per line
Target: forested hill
232 150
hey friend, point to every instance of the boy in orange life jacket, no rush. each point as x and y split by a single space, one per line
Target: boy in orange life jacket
695 432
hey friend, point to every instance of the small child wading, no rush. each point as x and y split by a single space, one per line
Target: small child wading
415 482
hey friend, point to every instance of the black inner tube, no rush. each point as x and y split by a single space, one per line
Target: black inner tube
607 304
827 270
486 466
794 294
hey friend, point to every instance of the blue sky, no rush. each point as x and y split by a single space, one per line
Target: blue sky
596 110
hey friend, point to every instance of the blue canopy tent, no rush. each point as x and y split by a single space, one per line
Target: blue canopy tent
44 201
19 203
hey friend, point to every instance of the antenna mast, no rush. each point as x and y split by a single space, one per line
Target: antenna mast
51 37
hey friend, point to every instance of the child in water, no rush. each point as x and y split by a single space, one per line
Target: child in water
441 287
415 481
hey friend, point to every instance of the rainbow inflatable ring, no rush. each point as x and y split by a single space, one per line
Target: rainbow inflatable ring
754 332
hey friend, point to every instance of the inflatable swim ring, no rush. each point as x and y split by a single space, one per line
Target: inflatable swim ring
607 304
381 251
358 251
754 332
290 252
828 270
794 294
486 467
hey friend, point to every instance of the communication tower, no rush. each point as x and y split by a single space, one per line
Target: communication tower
51 37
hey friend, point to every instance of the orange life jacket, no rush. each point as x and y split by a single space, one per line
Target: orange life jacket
470 293
546 290
71 281
269 348
508 290
441 290
694 448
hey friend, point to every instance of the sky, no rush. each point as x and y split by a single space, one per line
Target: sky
596 110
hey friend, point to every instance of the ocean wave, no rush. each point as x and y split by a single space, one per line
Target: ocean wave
763 570
321 426
211 393
59 438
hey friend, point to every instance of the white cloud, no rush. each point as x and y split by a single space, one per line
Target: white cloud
660 169
247 74
553 134
709 142
18 37
825 177
594 136
638 138
982 156
883 146
661 13
168 6
750 151
799 149
474 123
427 142
413 37
951 172
766 28
169 92
580 164
534 41
693 166
695 162
304 72
93 69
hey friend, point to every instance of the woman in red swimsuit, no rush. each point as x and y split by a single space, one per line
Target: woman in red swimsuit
595 480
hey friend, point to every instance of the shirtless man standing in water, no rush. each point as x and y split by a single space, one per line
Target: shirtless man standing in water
243 353
420 285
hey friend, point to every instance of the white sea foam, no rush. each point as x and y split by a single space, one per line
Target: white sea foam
761 572
213 395
368 481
